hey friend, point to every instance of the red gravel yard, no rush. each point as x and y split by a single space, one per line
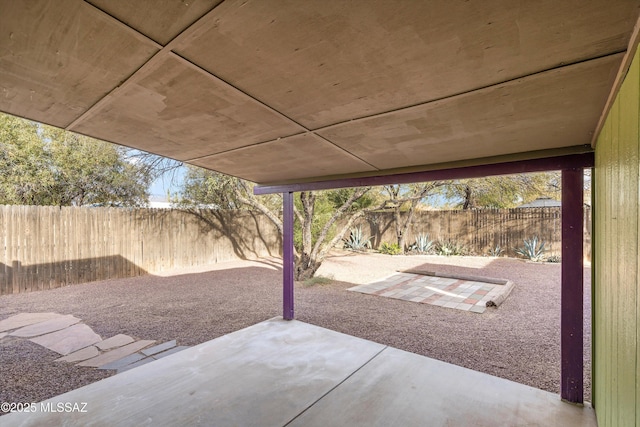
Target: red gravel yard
519 340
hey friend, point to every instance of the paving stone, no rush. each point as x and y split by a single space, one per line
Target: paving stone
171 351
120 363
118 353
25 319
477 309
68 339
45 327
115 341
159 348
80 355
135 365
463 306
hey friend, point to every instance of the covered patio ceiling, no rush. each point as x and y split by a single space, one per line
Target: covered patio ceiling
292 91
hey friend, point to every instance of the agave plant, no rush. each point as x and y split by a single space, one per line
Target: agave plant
423 244
451 248
357 241
533 249
496 251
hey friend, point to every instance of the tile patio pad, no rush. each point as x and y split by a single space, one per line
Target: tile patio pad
449 292
278 373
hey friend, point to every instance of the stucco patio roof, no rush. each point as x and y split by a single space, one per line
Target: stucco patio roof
294 91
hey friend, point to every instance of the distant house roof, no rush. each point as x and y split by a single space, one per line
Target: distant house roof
159 202
542 202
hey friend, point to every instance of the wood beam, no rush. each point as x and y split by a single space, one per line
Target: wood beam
583 160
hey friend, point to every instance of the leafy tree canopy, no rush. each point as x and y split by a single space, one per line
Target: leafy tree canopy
43 165
506 191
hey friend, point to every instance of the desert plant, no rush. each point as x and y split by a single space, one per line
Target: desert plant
450 247
553 258
423 244
533 249
357 241
496 251
318 280
390 248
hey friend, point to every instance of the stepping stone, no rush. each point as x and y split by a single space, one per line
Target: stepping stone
159 348
115 341
135 365
69 339
118 353
121 363
168 352
80 355
45 327
25 319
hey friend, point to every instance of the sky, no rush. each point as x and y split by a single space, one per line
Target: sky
169 182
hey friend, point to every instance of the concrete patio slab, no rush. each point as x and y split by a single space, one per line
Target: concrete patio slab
80 355
405 389
25 319
46 327
279 373
68 340
264 375
115 341
118 353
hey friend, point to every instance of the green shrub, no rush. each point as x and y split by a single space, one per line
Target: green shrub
390 248
533 249
553 258
357 241
318 280
423 244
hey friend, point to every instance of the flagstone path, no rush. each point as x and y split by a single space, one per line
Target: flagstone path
465 293
77 343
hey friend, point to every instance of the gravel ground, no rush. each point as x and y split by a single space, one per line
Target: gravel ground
519 341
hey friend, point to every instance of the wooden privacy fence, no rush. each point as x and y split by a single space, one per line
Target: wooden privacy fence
482 229
48 247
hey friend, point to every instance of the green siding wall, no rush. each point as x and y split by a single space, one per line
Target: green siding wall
616 293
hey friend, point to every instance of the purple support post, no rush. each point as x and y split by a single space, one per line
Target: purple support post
572 369
287 255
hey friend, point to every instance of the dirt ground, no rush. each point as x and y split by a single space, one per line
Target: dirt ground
520 340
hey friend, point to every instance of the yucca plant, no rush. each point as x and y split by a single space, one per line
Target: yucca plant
423 244
357 241
533 249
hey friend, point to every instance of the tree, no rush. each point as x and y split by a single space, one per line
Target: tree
318 213
407 197
505 191
43 165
